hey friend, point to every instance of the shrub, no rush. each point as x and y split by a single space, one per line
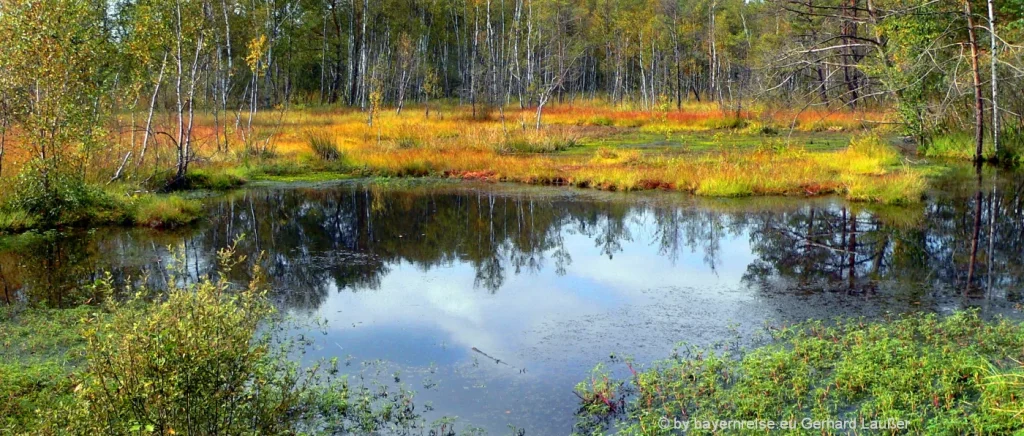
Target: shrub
211 357
198 361
187 364
56 196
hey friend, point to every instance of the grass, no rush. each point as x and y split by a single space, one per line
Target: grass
40 349
324 146
939 375
216 179
16 221
700 149
165 211
958 145
580 148
563 153
113 207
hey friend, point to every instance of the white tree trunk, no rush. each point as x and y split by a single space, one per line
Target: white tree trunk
995 78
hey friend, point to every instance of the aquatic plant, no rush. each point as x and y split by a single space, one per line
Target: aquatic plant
937 375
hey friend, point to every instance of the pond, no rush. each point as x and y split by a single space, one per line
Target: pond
492 301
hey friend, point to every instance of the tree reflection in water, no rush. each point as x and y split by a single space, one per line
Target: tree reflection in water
349 237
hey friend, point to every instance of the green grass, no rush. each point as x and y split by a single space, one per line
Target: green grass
892 189
164 211
958 145
115 208
16 221
39 349
941 375
713 140
216 179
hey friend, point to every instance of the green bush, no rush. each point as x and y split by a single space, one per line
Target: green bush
192 363
56 196
213 357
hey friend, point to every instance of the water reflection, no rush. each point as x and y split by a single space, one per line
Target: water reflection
441 280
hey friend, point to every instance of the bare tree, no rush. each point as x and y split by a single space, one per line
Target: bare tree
995 77
979 102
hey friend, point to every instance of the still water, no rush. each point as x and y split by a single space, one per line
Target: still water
493 301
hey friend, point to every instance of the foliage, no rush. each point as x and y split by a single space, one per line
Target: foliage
193 362
56 196
54 72
204 357
942 375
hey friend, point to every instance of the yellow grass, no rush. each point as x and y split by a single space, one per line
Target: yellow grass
506 147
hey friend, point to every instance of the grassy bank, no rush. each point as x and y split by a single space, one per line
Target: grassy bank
104 208
961 146
700 150
952 375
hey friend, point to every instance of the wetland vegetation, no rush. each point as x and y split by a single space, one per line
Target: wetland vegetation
436 216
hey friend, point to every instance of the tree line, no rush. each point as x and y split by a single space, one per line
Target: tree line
66 65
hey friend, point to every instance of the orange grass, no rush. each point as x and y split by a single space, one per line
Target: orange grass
453 143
